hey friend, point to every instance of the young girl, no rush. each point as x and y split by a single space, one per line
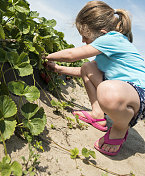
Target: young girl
115 80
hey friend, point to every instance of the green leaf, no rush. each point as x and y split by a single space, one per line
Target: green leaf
7 128
61 35
74 153
16 168
7 107
23 58
92 153
24 69
22 6
2 33
17 87
12 57
85 152
21 63
53 103
51 23
30 46
28 110
31 93
37 123
25 28
16 59
34 14
5 170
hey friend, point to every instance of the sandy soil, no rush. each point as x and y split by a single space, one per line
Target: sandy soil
55 161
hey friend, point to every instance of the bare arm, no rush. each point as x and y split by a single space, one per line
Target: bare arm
72 71
73 54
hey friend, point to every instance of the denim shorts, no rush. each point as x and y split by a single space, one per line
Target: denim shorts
141 113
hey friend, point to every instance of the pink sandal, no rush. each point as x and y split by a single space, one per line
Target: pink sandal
90 120
112 142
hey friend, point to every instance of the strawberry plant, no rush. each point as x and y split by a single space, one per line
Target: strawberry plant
24 39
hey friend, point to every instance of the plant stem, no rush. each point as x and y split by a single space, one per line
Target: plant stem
43 92
34 79
3 74
20 124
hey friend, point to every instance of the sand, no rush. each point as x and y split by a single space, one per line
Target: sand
56 161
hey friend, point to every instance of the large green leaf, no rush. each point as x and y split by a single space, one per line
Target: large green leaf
21 63
7 107
31 93
7 128
24 69
35 123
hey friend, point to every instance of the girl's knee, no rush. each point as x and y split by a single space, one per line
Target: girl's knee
88 67
108 96
84 67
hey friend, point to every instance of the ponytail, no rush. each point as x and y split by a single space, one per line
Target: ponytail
124 23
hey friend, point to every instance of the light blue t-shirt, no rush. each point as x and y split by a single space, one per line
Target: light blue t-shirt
119 59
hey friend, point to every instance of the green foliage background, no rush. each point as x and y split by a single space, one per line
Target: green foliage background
24 39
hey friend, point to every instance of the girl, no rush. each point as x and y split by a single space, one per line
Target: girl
115 80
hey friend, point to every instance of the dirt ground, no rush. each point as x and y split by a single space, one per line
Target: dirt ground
56 161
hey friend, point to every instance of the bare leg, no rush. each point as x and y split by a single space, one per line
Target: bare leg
92 77
120 101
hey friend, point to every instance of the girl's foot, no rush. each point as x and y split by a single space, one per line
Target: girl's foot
110 148
96 115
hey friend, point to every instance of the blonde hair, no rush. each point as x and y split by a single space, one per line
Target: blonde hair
97 15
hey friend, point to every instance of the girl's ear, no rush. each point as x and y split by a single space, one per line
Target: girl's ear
104 31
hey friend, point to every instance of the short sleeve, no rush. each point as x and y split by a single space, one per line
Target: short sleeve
109 44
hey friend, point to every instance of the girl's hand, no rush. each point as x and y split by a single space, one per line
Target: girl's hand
50 65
